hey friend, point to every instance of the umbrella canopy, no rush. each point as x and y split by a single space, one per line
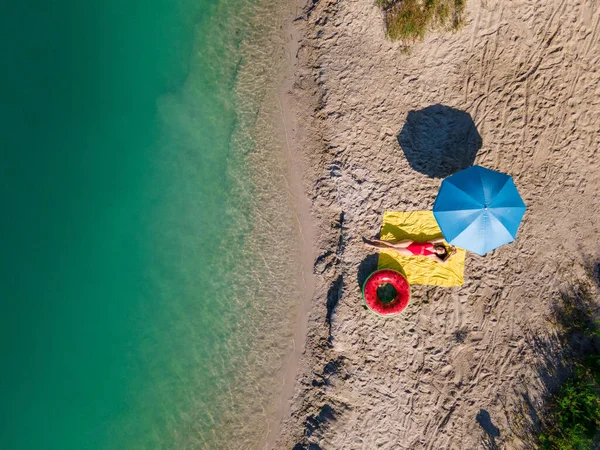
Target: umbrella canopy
479 209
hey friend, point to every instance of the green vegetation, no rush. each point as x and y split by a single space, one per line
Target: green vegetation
572 420
574 416
408 20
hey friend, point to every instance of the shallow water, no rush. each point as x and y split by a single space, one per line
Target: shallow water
149 274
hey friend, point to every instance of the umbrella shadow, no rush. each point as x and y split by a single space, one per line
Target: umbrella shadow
439 140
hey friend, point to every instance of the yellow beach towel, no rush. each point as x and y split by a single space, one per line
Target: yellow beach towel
419 226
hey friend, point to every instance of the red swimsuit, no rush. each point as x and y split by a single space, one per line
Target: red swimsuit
420 248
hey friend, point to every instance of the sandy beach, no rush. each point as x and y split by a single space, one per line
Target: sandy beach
449 373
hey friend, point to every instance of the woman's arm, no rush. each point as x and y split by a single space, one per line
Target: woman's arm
438 240
436 258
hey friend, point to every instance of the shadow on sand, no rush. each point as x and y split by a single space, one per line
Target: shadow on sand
366 268
575 342
439 140
491 431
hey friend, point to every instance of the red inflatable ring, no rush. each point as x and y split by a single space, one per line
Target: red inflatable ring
379 278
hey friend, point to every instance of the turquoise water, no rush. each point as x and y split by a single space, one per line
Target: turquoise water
132 312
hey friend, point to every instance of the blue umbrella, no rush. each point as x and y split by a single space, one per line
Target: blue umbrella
479 209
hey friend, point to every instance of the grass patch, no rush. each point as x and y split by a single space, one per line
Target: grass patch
408 20
572 419
574 416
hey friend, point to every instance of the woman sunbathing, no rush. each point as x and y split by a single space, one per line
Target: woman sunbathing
435 249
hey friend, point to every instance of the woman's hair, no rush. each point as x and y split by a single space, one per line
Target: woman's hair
446 254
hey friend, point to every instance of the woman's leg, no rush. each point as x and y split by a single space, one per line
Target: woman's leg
402 251
394 244
375 245
402 244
